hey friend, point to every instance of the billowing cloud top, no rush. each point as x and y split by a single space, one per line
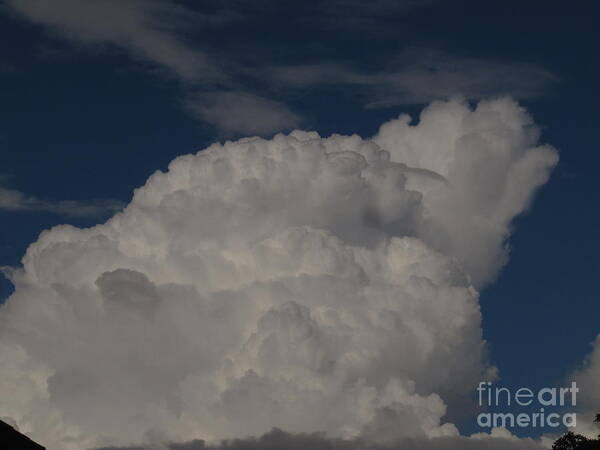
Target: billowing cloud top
302 282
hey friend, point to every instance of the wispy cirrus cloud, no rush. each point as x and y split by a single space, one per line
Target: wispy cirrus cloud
147 29
217 89
153 31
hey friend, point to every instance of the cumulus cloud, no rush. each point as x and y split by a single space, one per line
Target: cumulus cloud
422 75
589 377
13 200
588 381
303 282
488 178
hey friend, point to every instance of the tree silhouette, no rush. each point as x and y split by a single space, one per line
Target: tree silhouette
572 441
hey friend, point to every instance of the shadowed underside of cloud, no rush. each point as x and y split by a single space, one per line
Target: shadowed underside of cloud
280 440
214 88
302 282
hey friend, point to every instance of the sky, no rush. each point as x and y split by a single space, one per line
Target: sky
98 96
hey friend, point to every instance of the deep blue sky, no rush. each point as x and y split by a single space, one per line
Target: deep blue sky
83 122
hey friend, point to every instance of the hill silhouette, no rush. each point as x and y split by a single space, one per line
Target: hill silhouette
11 439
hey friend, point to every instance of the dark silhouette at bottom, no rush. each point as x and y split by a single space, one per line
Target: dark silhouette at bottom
11 439
572 441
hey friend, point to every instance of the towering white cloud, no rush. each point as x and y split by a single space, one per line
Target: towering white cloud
490 166
302 282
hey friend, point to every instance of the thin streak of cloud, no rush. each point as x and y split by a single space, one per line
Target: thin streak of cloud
423 76
13 200
327 14
242 112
